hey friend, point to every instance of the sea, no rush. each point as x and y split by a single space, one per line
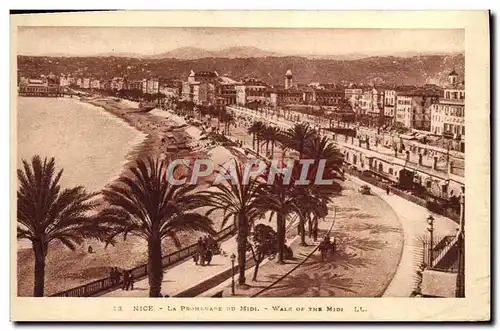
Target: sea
88 143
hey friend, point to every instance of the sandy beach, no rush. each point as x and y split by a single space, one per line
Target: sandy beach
66 269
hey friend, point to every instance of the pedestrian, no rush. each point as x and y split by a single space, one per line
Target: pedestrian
201 251
90 250
112 276
131 282
323 249
387 189
126 280
209 256
333 245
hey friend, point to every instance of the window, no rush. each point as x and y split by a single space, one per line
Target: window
463 130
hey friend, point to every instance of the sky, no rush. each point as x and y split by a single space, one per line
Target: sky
83 41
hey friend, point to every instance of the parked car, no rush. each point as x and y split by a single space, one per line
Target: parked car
365 189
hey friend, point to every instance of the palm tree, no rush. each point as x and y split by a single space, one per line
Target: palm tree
255 129
282 198
269 134
321 148
149 206
299 136
45 213
238 199
228 119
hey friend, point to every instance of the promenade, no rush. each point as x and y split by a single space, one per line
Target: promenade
185 278
378 253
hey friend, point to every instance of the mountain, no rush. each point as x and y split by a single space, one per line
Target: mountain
244 52
183 53
193 53
415 70
123 54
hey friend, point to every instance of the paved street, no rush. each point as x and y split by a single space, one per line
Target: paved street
369 241
378 250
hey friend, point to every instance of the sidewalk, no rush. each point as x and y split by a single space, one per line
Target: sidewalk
186 278
414 223
270 272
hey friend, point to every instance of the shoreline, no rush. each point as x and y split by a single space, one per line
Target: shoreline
78 267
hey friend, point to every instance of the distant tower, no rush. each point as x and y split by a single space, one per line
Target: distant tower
288 79
453 78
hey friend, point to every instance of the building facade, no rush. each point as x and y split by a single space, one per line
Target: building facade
354 95
39 87
389 106
448 115
403 110
251 90
327 97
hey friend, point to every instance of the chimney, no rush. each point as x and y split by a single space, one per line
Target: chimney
420 158
450 167
407 155
435 163
395 151
367 143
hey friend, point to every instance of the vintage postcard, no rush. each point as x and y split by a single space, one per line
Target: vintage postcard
250 166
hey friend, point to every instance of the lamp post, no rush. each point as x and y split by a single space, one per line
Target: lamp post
430 228
233 258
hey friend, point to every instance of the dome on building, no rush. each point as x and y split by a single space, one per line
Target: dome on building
288 73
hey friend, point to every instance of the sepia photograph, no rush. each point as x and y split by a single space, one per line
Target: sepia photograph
282 169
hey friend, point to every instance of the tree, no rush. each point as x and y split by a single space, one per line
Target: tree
255 130
281 198
315 197
46 213
299 136
264 244
237 197
270 134
228 119
149 206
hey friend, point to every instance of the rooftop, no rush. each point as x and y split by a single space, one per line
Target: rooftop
204 74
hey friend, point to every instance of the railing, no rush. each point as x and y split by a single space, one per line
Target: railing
439 254
442 252
106 284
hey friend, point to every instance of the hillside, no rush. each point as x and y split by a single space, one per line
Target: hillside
416 70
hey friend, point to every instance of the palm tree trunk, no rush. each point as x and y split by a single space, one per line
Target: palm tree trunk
256 269
253 141
310 225
281 237
40 251
302 227
272 148
242 248
315 229
155 270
